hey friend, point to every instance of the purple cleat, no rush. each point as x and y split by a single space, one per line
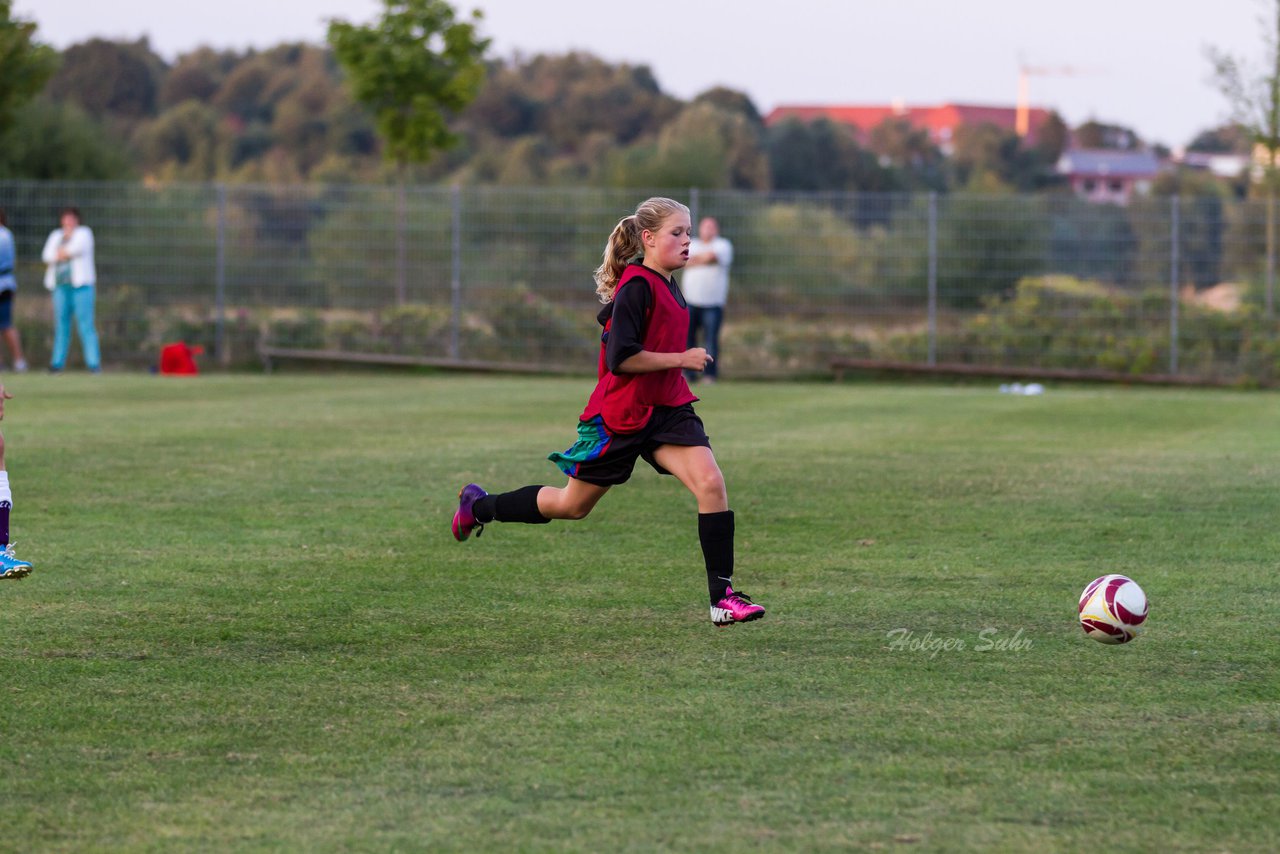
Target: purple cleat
735 608
464 521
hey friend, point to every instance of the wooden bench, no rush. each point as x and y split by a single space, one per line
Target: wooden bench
842 366
270 354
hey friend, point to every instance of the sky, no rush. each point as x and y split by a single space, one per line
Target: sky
1139 63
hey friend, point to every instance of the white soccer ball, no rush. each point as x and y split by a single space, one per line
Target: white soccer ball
1113 609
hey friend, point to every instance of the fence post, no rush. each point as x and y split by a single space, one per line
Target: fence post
933 278
401 254
455 279
220 281
1268 297
694 202
1174 228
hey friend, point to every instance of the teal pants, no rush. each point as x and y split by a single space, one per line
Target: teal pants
74 302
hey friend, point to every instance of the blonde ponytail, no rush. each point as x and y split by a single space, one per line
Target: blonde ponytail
625 245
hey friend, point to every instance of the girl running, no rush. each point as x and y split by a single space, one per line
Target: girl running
641 406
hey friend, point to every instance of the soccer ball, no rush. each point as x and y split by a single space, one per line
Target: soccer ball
1112 609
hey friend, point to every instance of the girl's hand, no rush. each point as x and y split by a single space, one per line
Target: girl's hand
695 359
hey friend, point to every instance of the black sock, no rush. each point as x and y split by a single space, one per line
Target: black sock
519 505
5 506
715 532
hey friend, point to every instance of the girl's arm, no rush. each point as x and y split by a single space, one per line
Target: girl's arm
624 353
647 361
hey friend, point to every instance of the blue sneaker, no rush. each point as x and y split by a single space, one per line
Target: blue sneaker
464 521
10 566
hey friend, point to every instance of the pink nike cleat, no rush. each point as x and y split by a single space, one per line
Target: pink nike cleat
464 521
735 608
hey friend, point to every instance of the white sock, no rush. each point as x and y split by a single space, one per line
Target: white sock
5 494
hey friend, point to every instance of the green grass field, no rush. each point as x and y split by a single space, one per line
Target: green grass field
249 627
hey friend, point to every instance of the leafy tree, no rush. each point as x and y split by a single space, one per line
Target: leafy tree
704 146
1202 225
909 148
1095 134
732 101
569 97
242 92
989 155
986 150
196 76
1226 139
183 143
1254 97
52 141
503 107
417 67
1051 139
986 242
110 80
823 155
25 64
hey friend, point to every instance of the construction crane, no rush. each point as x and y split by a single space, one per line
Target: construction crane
1022 120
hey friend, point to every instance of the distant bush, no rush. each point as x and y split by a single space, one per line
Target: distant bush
1064 322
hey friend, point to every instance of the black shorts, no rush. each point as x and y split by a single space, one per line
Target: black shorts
6 309
604 458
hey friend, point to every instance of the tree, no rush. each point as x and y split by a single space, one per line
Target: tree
1254 97
985 154
1096 134
195 76
414 70
50 141
823 155
909 148
1225 139
111 81
183 142
703 146
25 64
732 101
1051 138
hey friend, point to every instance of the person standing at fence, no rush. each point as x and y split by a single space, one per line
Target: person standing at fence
10 566
72 277
8 292
706 287
641 407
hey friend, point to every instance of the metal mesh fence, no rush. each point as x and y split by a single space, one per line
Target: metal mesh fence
1177 286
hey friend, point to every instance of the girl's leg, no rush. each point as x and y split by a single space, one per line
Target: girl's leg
62 309
6 498
533 505
85 297
696 467
10 566
537 504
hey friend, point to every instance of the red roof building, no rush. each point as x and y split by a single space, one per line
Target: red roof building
941 121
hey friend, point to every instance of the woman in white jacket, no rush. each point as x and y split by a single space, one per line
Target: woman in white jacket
71 277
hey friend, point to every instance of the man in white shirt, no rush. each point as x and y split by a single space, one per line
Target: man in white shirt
706 289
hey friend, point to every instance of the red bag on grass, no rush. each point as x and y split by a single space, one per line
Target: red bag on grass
179 358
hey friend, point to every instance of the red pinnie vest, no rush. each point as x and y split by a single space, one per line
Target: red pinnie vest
626 401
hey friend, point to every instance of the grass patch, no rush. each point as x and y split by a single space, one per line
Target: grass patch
248 627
